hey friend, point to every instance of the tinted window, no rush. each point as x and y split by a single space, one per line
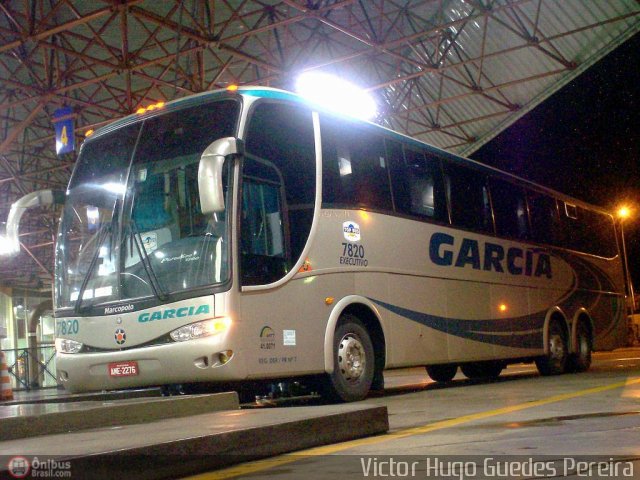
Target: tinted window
354 166
187 131
598 233
569 226
606 231
278 191
262 223
573 229
468 197
105 159
509 209
417 182
545 222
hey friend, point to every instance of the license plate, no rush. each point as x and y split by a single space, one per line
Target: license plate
123 369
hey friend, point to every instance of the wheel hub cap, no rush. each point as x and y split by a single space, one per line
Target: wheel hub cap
584 346
556 347
351 357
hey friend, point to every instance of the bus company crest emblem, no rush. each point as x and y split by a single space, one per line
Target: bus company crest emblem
120 336
351 231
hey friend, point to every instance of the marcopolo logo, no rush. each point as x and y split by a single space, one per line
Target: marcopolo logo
351 231
186 257
173 313
118 309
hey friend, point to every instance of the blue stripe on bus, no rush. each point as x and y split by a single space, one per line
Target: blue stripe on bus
596 291
521 332
591 287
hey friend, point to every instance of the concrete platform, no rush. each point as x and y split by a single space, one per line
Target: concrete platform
54 395
30 420
181 446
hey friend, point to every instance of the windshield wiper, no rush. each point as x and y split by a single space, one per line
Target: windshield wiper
101 235
146 263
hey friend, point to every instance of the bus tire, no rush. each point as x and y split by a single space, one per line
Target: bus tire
353 358
554 362
580 360
442 373
482 370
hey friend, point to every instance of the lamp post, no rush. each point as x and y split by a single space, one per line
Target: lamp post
624 212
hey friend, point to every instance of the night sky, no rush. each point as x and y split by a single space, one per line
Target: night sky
584 141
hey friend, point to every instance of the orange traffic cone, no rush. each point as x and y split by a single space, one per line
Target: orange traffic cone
6 393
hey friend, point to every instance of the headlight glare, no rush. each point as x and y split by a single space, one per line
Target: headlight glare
205 328
65 345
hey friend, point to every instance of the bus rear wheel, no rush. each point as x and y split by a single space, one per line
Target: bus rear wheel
353 358
482 370
442 373
580 360
555 361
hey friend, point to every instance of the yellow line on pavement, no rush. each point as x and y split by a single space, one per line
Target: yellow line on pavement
261 465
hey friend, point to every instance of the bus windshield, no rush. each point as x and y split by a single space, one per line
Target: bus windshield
132 226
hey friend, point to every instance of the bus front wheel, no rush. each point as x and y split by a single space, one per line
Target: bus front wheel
442 373
555 361
353 359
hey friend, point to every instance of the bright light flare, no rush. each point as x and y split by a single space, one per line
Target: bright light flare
8 247
218 325
624 212
114 187
336 94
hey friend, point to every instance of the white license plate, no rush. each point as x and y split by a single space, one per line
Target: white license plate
123 369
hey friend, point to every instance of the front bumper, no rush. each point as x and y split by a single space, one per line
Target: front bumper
182 362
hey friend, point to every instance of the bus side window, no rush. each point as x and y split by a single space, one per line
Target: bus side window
262 223
468 197
598 234
355 166
545 221
572 226
509 209
417 182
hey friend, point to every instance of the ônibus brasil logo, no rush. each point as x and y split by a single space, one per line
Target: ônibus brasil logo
19 467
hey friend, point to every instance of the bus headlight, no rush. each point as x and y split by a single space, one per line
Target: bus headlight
64 345
205 328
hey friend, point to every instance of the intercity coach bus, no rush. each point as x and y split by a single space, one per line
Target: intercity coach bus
246 234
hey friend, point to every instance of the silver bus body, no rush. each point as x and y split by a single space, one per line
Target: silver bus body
429 293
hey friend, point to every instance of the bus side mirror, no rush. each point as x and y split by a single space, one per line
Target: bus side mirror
210 172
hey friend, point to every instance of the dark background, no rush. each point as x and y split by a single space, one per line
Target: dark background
584 141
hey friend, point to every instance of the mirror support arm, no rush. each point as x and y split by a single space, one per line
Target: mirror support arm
10 244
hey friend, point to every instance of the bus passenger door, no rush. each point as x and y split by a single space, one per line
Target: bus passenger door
283 324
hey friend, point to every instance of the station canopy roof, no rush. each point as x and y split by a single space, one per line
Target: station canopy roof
453 73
